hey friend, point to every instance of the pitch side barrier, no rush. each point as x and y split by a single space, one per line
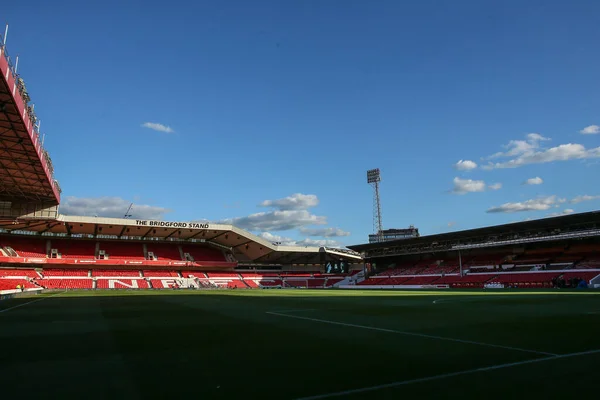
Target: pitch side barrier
394 287
9 294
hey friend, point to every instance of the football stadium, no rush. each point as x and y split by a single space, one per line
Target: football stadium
102 307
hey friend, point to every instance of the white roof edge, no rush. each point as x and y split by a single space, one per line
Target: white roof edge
341 253
212 226
131 222
252 236
299 249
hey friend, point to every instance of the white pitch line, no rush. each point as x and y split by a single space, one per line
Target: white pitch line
414 334
29 302
296 310
443 376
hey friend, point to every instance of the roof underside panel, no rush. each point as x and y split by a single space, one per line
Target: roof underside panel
25 169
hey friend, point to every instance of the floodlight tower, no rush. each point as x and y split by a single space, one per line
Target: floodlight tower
373 179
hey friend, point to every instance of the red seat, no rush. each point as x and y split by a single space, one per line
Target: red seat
204 253
163 251
75 249
11 284
121 283
123 251
160 273
25 246
18 272
116 272
65 272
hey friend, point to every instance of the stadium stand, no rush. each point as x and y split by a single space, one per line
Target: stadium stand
18 272
229 275
115 272
160 273
11 284
194 274
162 251
65 272
251 283
122 283
202 253
270 282
66 283
75 249
23 247
122 251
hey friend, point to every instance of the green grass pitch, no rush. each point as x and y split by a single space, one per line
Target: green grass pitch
294 344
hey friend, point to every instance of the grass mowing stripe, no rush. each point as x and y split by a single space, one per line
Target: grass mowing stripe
449 375
413 334
29 302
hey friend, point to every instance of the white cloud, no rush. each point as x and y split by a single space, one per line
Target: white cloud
566 211
534 181
465 165
110 207
297 201
462 186
286 241
289 213
277 239
324 232
495 186
536 137
158 127
524 152
318 242
539 204
518 147
451 224
585 197
590 130
276 220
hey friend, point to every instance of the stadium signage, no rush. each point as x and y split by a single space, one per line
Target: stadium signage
167 224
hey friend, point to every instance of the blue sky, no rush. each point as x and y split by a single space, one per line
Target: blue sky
270 99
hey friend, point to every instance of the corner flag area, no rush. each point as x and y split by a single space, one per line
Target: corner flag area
301 344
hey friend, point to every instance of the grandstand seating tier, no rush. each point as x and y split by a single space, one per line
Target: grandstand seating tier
585 275
162 283
270 282
123 251
164 251
75 249
204 253
66 283
229 275
18 272
160 273
25 247
116 272
11 284
121 283
65 272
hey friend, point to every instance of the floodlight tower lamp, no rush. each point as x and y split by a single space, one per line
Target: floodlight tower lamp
373 179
